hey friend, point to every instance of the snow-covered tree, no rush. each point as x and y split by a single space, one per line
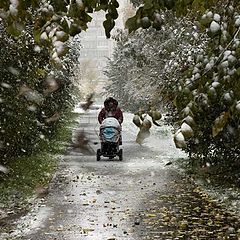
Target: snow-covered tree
209 96
194 70
147 64
34 96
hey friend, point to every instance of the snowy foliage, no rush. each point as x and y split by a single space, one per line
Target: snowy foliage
211 90
34 96
194 72
147 65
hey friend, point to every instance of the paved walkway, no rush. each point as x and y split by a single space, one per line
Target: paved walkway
138 198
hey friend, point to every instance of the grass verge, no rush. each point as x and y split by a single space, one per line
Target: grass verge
28 173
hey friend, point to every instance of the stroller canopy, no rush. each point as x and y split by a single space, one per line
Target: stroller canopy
110 122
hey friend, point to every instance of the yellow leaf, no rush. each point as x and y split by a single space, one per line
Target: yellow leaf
220 123
137 121
151 215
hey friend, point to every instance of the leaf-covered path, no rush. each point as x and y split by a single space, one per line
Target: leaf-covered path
138 198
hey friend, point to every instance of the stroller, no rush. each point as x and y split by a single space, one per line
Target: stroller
110 137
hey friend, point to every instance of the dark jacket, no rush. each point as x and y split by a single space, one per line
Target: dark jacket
117 113
110 109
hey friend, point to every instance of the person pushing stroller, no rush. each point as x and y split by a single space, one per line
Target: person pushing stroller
110 118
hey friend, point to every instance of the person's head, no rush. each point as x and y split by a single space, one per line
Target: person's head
110 102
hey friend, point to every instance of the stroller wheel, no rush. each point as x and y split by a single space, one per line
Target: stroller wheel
120 154
98 155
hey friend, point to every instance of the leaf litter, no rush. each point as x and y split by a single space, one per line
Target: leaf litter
185 211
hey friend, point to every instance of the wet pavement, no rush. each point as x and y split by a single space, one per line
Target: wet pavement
141 197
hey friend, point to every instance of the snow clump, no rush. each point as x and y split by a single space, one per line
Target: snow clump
237 22
13 70
44 36
3 169
179 140
186 130
209 14
238 107
216 17
214 27
13 7
6 85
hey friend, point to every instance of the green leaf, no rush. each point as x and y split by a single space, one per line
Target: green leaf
115 3
238 71
131 24
170 4
4 4
74 10
59 5
36 35
148 4
198 4
206 22
13 30
108 25
74 29
113 12
103 5
85 17
91 3
34 3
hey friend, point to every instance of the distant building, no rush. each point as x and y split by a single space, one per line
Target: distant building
96 48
